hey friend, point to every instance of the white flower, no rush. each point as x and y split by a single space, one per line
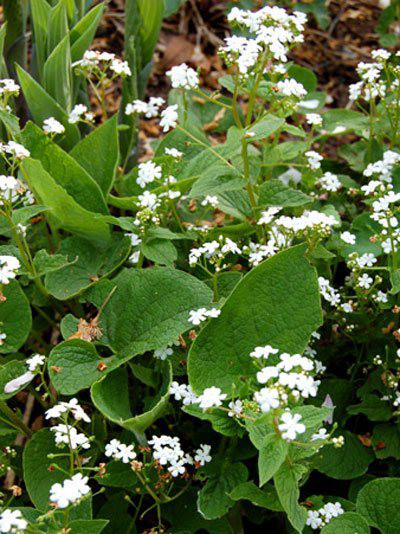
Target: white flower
135 239
267 373
163 353
210 200
73 406
17 383
290 426
70 491
211 397
16 150
289 87
173 152
365 281
12 521
366 260
267 398
330 182
321 434
112 447
313 519
177 467
381 297
314 119
125 453
184 77
268 215
197 316
214 312
77 113
178 390
235 408
148 200
230 246
314 159
348 238
263 352
202 455
68 435
148 172
52 126
169 118
330 510
35 361
9 266
120 67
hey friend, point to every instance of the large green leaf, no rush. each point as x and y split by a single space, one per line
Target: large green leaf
15 317
111 397
74 365
87 526
214 500
57 74
276 193
90 263
58 25
217 179
152 15
271 456
98 154
287 486
347 523
277 303
82 34
69 215
42 106
265 498
344 463
155 304
378 503
38 477
40 13
64 169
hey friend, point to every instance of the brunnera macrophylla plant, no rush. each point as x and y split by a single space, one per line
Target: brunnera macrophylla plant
207 339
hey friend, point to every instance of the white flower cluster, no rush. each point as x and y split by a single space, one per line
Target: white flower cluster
184 393
149 109
119 451
168 451
15 150
372 84
329 182
214 251
9 266
51 126
147 173
35 361
198 316
68 435
289 380
274 32
289 87
80 113
314 159
183 77
383 168
319 518
164 352
72 406
290 426
70 491
94 61
12 521
329 293
9 88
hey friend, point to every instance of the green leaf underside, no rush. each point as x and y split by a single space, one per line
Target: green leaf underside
111 397
277 303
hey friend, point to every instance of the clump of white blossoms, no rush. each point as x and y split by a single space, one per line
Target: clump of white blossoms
80 113
9 266
147 173
184 393
169 118
68 435
183 77
198 316
8 89
51 126
314 159
273 32
12 521
149 109
15 150
119 451
66 408
373 75
35 362
329 182
319 518
214 252
70 491
96 64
